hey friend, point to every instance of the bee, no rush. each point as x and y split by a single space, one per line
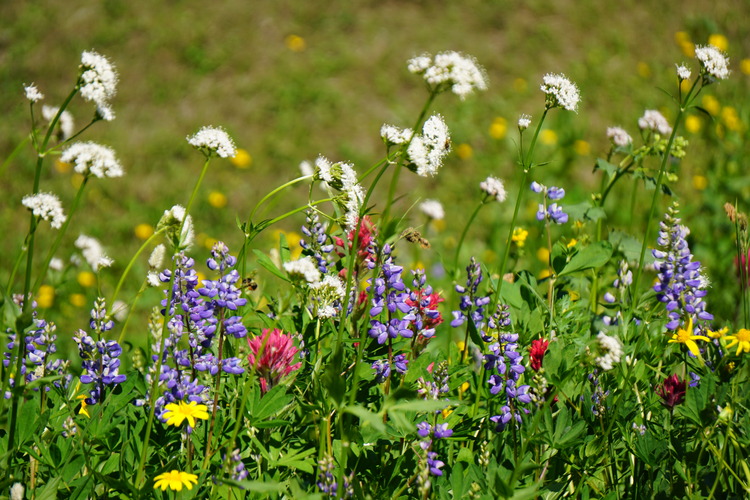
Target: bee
249 283
413 236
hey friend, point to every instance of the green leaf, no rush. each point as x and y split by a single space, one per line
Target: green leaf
268 265
48 491
418 405
284 248
270 404
367 417
257 486
590 257
603 164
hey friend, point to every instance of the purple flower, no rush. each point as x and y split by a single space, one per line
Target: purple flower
434 464
382 370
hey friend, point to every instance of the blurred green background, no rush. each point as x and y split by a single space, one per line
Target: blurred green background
291 80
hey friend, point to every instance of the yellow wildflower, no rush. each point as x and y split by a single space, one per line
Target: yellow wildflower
175 479
143 231
543 254
46 296
711 104
548 137
519 236
572 243
700 182
499 128
295 43
719 41
86 279
78 299
693 124
582 148
242 159
745 66
685 336
217 199
644 71
718 333
464 151
741 339
178 412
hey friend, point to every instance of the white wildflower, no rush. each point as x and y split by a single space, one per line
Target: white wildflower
56 264
327 294
450 70
47 206
653 120
32 93
120 310
524 121
713 62
355 196
173 220
494 187
394 136
17 491
619 136
90 158
427 151
105 112
306 168
303 268
153 279
67 126
611 348
683 72
560 92
323 169
156 259
93 252
98 81
432 209
213 140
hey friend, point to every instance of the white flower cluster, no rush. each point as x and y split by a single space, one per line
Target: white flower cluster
713 61
524 121
453 70
32 93
432 209
427 151
213 140
65 121
172 220
47 206
560 92
93 252
98 82
611 351
683 72
394 136
90 158
343 177
303 268
653 120
325 294
155 261
619 136
494 187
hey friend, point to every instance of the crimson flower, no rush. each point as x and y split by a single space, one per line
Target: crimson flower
272 356
672 391
536 353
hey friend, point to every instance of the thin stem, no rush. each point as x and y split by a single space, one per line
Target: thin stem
463 235
273 193
130 265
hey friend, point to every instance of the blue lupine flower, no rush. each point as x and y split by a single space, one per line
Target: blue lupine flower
382 370
315 245
551 212
471 304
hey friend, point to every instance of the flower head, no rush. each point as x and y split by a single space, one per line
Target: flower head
394 136
714 64
493 187
683 72
90 158
611 351
211 140
426 151
93 252
619 137
174 480
303 268
536 353
98 82
432 209
179 412
65 122
741 339
523 122
450 71
672 391
686 336
653 120
47 206
272 355
560 92
180 234
32 93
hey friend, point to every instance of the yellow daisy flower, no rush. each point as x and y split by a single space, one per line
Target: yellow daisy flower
177 413
742 339
685 336
175 479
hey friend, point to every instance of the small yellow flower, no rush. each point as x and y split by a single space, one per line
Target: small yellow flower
685 85
242 159
700 182
543 254
62 167
719 41
718 333
46 296
741 339
745 66
175 480
86 279
295 43
143 231
731 119
464 151
519 236
582 148
711 104
681 36
548 137
78 299
84 404
693 124
644 71
460 344
543 274
499 128
685 336
209 242
178 412
217 199
572 243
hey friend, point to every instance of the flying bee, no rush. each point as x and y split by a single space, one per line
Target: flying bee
249 283
413 236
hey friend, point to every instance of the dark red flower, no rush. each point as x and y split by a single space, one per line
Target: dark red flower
536 353
672 391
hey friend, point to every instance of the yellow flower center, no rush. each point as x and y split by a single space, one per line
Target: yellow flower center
743 335
682 335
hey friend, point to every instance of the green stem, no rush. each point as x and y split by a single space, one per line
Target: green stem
60 234
130 266
526 165
275 191
463 236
